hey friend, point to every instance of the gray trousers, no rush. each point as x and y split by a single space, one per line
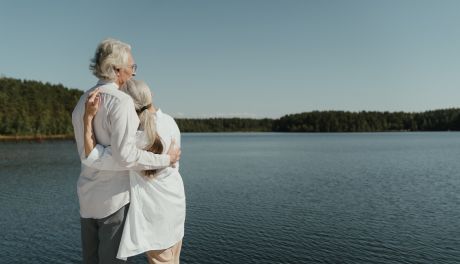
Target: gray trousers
100 238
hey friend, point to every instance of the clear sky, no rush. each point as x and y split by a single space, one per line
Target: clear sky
249 58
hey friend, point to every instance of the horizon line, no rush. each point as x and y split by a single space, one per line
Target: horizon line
254 116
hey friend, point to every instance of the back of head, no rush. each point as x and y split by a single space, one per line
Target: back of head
142 97
139 91
110 54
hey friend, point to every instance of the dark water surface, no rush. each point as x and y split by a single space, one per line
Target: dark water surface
262 198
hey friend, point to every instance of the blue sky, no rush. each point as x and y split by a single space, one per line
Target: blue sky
249 58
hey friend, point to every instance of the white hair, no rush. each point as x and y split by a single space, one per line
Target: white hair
142 97
110 55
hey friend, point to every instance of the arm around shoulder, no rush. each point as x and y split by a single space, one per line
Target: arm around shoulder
124 124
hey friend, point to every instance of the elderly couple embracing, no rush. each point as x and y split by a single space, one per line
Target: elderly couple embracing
130 191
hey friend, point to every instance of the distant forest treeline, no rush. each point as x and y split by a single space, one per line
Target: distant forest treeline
36 108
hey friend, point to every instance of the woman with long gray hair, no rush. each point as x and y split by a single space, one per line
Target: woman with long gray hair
156 216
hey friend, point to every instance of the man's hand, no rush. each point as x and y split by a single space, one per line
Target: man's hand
174 153
92 104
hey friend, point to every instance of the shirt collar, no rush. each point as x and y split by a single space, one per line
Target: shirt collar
105 82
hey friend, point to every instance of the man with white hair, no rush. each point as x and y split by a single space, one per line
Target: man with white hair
104 194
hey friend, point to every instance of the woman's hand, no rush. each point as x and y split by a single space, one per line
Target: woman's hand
91 107
174 153
92 104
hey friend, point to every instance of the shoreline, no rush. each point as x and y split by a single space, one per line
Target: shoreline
42 138
37 138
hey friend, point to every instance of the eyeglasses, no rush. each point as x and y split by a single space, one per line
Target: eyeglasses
133 67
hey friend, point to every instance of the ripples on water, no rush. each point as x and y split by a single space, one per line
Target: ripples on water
263 198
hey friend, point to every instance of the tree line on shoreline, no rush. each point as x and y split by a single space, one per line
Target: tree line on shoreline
29 108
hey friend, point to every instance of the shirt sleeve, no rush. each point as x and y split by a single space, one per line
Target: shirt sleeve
101 158
77 122
123 125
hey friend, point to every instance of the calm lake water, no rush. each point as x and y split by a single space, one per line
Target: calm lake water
262 198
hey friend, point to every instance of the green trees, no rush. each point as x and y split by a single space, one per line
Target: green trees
225 125
332 121
341 121
35 108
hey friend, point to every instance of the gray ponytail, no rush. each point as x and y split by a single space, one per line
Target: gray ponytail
148 124
142 98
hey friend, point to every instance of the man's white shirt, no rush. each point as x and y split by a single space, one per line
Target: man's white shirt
103 192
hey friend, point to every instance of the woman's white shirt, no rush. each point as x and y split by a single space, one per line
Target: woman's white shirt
156 214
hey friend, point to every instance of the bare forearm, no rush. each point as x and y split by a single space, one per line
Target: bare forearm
90 141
